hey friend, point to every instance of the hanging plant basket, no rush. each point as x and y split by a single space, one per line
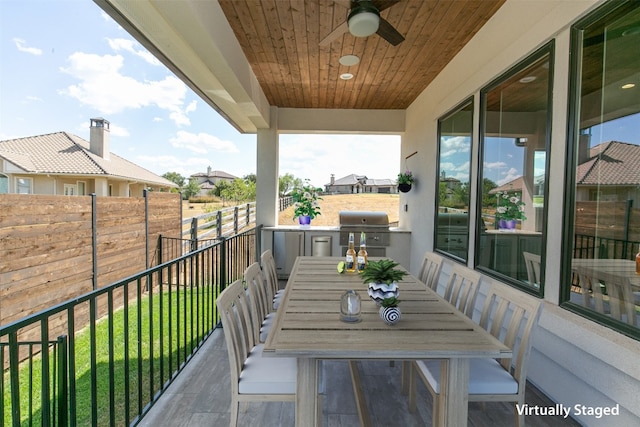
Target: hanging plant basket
404 188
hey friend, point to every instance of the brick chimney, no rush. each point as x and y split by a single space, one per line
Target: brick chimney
333 179
99 137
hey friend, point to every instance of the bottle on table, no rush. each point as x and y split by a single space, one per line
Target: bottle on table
350 259
363 258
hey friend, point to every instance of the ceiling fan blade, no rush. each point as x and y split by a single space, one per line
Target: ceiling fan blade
384 4
390 34
335 34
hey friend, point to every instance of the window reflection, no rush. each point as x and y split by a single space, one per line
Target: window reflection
452 225
514 142
606 211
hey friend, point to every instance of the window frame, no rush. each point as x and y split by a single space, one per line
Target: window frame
571 152
466 102
28 179
547 49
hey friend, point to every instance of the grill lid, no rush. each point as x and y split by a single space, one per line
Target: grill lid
363 219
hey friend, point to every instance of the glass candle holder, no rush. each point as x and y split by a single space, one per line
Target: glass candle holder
350 306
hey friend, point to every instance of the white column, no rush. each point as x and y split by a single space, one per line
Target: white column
267 173
102 187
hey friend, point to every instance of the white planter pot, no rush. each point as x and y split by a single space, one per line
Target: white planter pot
380 291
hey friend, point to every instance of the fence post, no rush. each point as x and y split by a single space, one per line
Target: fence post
145 194
248 214
235 220
63 375
219 223
194 233
14 375
159 249
94 240
222 280
627 220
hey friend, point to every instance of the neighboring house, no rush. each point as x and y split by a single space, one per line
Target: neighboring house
353 183
450 184
63 163
611 172
207 181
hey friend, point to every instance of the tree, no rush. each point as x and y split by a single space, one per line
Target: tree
288 182
250 177
176 178
190 189
488 200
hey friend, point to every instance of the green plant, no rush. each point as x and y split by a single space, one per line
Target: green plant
305 201
390 302
405 178
382 271
509 206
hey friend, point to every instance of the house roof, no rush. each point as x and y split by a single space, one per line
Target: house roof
381 182
63 153
354 179
213 174
611 163
513 185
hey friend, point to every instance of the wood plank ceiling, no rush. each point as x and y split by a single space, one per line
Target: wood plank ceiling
281 40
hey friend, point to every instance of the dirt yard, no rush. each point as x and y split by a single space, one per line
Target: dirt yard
331 206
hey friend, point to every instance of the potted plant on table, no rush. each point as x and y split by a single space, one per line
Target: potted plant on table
305 203
389 311
509 209
405 181
382 276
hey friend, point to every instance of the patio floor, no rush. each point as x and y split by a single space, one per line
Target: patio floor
200 396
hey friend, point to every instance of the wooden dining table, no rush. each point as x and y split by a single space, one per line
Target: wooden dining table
618 267
308 326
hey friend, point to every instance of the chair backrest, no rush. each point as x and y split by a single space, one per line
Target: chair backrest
532 262
462 288
260 302
430 269
509 314
270 273
608 288
234 308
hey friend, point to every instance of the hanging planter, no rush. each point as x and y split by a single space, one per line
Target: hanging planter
404 188
405 181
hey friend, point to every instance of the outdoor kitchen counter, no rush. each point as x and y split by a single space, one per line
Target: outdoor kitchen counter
274 237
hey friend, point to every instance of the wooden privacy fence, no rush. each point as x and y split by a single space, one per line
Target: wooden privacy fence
55 248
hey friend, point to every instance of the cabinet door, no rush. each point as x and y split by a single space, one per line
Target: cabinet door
287 246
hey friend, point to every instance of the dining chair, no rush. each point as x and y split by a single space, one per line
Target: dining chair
271 278
261 307
462 288
510 316
430 269
532 262
253 377
611 293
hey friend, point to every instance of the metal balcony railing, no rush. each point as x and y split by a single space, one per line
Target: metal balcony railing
119 346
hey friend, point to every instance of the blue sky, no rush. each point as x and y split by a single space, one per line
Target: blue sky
65 61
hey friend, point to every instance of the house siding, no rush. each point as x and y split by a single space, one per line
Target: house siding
574 360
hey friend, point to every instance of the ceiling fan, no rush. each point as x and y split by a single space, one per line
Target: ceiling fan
364 19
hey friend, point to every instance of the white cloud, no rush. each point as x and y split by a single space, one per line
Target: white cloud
102 87
22 47
202 143
495 165
455 145
509 176
191 107
132 47
31 98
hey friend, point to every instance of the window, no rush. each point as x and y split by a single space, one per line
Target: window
24 185
454 171
4 184
515 123
69 190
603 207
82 185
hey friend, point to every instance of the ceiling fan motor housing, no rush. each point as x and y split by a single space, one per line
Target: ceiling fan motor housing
364 19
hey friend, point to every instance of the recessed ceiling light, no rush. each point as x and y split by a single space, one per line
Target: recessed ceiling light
346 76
527 79
349 60
628 86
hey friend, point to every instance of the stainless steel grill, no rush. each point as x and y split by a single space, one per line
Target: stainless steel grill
374 224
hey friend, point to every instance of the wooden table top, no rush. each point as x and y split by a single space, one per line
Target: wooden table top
617 267
308 321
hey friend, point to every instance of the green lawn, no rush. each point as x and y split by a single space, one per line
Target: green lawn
170 346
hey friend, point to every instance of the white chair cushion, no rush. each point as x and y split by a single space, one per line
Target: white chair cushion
268 375
277 299
266 326
486 376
